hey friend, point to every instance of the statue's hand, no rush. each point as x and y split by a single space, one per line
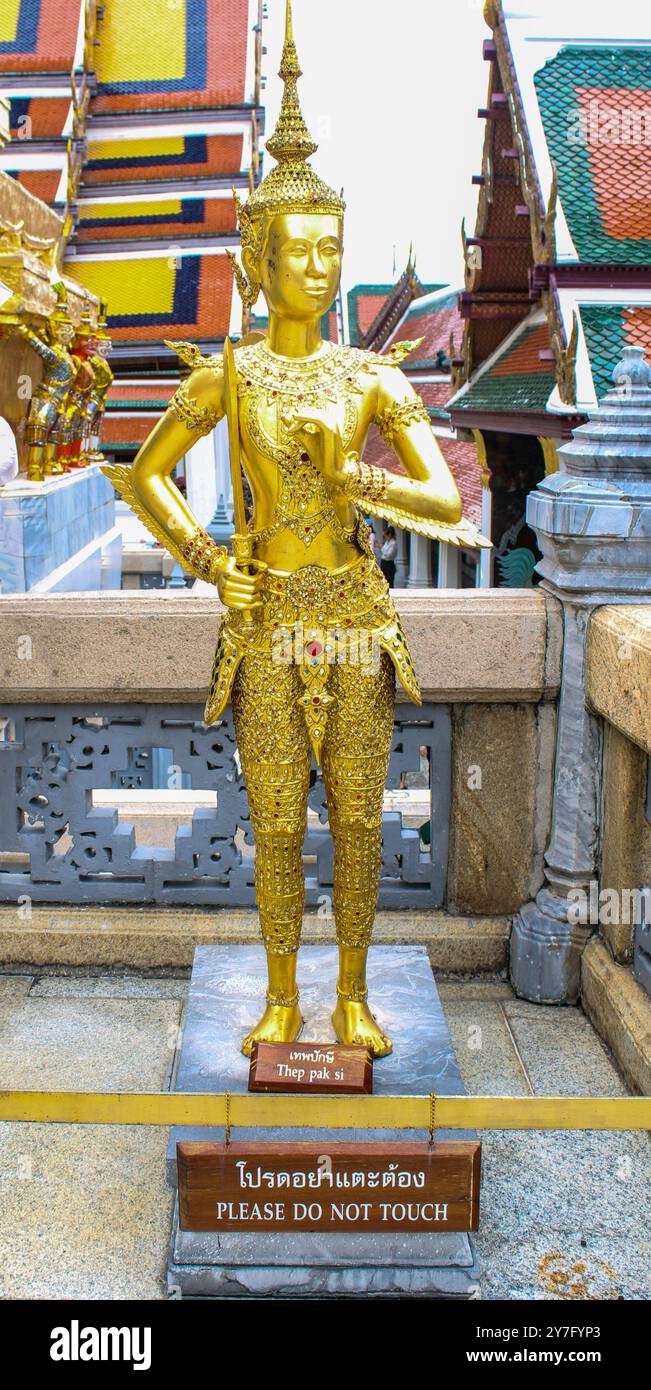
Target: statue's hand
239 589
317 432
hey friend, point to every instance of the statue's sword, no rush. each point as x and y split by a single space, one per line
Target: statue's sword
241 541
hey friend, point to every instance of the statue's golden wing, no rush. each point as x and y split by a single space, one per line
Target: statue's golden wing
461 532
399 351
191 355
119 474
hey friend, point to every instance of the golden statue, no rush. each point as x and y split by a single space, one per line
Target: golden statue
96 403
311 641
72 453
46 419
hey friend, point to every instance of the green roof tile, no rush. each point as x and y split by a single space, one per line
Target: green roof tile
508 394
596 111
517 381
603 325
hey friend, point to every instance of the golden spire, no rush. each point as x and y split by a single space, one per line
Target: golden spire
291 138
292 186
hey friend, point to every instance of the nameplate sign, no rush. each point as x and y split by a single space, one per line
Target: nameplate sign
329 1187
328 1067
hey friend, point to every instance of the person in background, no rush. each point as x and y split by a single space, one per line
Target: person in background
8 452
388 555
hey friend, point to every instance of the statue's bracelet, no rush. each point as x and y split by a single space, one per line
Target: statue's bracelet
204 557
367 483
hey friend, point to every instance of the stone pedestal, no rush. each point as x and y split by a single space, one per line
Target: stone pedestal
226 996
54 535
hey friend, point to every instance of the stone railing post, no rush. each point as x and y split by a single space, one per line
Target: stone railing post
593 522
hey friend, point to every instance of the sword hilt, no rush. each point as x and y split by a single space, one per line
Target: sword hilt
243 556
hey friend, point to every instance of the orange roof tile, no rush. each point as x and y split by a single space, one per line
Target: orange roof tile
524 356
126 429
223 155
46 37
221 49
460 456
43 183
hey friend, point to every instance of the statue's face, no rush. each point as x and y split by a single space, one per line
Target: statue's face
300 264
62 333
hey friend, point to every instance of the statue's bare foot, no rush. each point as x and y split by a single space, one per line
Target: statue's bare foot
354 1023
279 1023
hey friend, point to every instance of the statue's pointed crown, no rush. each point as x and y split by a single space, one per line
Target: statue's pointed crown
292 186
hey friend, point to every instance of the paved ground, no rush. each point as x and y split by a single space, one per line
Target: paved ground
85 1213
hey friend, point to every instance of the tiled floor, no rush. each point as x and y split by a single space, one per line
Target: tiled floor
563 1214
85 1212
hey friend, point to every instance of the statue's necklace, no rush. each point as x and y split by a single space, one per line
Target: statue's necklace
267 380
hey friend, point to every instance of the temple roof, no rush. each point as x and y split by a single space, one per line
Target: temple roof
157 56
374 311
167 123
563 222
435 318
518 377
595 105
154 297
364 305
39 35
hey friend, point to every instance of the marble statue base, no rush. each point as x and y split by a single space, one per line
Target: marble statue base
226 997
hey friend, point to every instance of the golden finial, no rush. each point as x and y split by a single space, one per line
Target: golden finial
292 186
291 138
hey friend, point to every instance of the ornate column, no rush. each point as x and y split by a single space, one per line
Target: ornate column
420 570
401 559
593 522
449 566
485 566
220 527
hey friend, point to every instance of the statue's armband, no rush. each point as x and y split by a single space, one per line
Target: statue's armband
399 416
199 419
193 403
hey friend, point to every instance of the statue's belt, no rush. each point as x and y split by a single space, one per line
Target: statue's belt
314 619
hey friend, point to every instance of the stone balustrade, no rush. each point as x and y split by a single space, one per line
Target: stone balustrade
91 683
618 682
469 645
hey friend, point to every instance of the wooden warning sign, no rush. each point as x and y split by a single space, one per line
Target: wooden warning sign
329 1187
322 1067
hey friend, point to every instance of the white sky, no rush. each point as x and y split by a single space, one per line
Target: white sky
390 90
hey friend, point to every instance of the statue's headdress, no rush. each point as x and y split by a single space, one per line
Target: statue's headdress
292 186
86 328
60 314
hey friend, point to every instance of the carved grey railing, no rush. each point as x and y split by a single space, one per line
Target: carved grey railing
57 846
642 944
